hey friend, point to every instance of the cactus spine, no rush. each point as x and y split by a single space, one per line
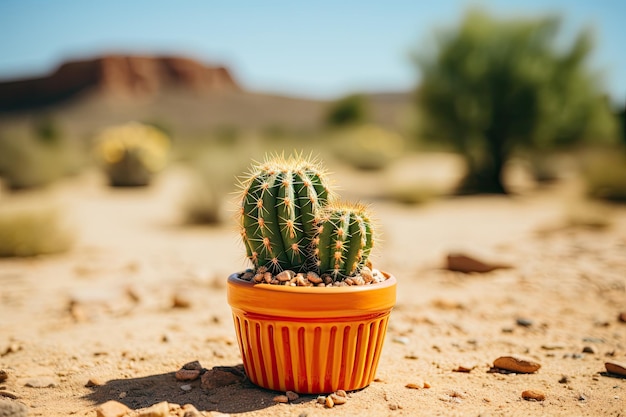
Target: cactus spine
344 239
280 201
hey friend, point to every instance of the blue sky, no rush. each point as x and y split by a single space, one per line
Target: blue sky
318 49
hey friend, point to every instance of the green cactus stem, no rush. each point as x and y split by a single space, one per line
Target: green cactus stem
280 200
344 240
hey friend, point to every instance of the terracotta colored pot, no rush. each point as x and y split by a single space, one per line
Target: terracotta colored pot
311 340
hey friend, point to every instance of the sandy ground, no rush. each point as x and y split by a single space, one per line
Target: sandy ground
104 311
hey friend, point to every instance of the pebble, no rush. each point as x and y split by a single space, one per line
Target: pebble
161 409
181 300
616 368
94 382
285 275
187 374
193 366
403 340
590 349
8 394
329 403
43 382
524 322
221 377
463 368
4 375
517 364
338 400
622 317
292 396
12 409
281 399
533 395
412 385
112 409
564 379
185 387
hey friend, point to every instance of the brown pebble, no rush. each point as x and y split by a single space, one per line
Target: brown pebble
8 394
4 375
412 385
187 374
258 278
590 349
616 368
193 366
94 382
112 408
338 400
285 275
464 369
342 393
517 364
366 274
313 277
267 277
622 317
181 300
292 396
221 377
329 402
533 395
427 384
281 399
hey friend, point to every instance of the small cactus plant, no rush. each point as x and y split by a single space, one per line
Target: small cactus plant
344 239
279 204
290 221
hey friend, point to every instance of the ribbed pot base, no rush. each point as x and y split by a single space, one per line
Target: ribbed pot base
308 355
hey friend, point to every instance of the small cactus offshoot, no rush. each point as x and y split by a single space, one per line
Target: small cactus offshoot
344 240
279 205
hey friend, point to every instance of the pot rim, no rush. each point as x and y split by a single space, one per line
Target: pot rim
312 302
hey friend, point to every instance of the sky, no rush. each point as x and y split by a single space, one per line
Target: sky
322 49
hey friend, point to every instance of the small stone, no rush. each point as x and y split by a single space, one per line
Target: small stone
10 408
366 274
403 340
280 399
533 395
622 317
186 387
520 321
464 368
161 409
427 385
43 382
517 364
329 403
412 385
193 366
313 277
221 376
292 396
258 277
8 394
4 375
181 300
94 382
248 275
338 400
582 397
122 395
187 374
616 368
590 349
564 380
285 275
112 409
321 399
342 393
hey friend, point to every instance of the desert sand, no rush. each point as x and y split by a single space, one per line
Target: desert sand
139 296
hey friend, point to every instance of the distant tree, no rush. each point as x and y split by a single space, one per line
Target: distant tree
47 130
491 86
349 110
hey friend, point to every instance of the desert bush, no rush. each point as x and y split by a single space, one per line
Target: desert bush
27 162
31 231
132 153
347 111
368 147
604 174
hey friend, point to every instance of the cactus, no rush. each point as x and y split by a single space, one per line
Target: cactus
344 239
279 205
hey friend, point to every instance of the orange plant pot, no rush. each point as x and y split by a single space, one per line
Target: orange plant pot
311 340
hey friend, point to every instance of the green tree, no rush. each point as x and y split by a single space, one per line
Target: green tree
492 86
347 111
